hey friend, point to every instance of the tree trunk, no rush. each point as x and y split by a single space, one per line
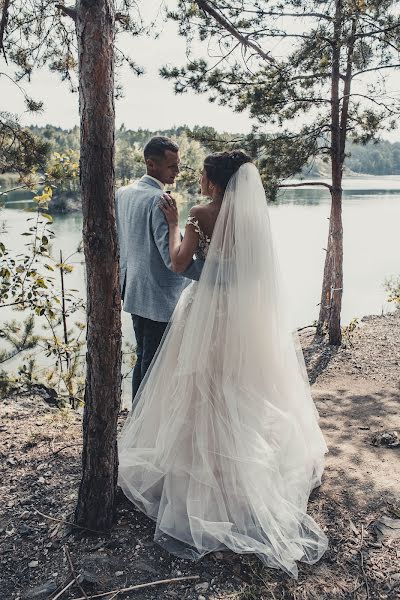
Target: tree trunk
332 286
95 34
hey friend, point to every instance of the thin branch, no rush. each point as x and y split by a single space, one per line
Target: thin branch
205 6
64 590
396 66
362 563
67 11
271 13
305 327
19 187
64 448
377 31
306 183
67 554
68 523
384 104
144 585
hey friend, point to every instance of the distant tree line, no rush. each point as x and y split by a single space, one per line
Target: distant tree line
129 163
381 158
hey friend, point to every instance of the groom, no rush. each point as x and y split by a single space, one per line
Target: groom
150 289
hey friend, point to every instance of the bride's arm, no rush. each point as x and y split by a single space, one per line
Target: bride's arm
181 250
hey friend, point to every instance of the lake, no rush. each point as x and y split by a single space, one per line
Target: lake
371 217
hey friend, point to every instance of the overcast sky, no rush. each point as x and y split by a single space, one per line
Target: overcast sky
149 101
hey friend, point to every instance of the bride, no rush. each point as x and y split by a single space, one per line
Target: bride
223 447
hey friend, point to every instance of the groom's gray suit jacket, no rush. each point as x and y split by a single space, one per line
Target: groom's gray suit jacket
149 288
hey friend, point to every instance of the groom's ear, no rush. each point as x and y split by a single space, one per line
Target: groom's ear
152 162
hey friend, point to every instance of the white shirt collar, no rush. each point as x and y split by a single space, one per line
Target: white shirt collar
159 183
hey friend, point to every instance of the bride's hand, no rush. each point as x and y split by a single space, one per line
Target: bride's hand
169 208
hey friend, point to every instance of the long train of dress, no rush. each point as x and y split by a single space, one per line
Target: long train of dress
223 447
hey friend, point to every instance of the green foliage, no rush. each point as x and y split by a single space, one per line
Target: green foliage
283 77
392 287
21 151
18 336
32 282
61 167
22 280
129 163
348 332
42 34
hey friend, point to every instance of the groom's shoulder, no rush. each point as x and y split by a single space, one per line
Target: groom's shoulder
139 187
126 189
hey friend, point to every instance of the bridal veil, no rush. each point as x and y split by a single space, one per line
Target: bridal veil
223 447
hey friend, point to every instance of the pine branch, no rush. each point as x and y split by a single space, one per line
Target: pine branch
207 8
377 31
306 183
395 66
313 15
67 11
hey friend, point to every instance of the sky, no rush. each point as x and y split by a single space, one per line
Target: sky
149 101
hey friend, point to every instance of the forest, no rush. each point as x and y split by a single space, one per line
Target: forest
379 157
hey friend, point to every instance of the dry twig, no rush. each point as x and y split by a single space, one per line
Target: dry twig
64 590
67 554
55 452
141 586
362 563
69 523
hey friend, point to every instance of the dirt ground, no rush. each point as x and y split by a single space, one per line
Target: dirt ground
357 392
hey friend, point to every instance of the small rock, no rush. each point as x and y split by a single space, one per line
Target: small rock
385 527
41 591
88 577
201 597
25 529
202 587
142 565
41 480
33 564
391 439
119 573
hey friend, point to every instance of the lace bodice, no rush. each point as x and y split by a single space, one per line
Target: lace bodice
204 240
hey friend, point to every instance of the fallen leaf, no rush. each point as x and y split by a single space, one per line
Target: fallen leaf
387 527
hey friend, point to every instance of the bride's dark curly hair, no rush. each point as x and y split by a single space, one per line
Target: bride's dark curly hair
220 166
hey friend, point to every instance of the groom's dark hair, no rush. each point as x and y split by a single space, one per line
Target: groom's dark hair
156 147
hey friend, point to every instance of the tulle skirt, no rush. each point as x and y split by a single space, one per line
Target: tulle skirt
223 447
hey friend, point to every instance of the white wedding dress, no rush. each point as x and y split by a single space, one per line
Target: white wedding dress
223 447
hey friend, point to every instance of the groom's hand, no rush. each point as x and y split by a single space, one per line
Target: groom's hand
169 208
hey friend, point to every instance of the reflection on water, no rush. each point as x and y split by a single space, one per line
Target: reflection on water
365 187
